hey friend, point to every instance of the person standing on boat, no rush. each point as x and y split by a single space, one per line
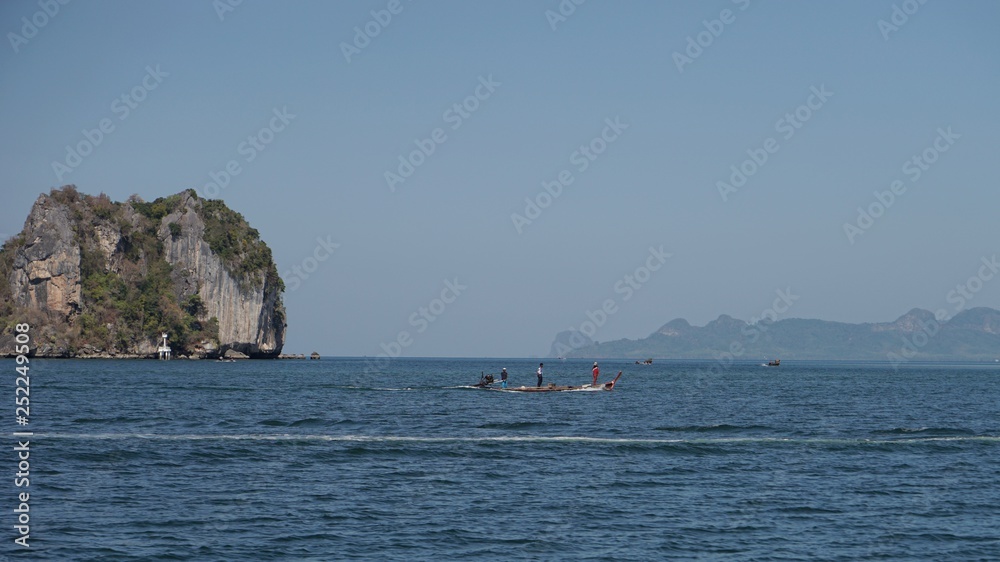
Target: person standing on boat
596 373
540 374
503 378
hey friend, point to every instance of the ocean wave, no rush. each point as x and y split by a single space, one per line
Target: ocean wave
305 422
927 431
121 420
310 422
517 425
723 427
381 389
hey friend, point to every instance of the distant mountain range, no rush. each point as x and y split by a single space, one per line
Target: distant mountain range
971 335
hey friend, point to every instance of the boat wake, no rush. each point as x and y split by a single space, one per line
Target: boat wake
376 388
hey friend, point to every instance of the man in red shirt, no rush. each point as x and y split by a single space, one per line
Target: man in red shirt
596 372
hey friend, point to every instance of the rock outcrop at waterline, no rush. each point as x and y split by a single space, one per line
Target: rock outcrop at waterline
96 278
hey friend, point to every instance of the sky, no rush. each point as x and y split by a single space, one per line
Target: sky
468 178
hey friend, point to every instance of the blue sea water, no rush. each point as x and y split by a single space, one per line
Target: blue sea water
319 460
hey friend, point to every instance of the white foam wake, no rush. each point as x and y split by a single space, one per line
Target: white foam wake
504 438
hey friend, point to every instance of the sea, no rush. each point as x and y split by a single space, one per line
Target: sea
352 459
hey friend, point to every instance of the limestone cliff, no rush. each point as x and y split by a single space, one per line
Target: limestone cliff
46 273
99 278
250 320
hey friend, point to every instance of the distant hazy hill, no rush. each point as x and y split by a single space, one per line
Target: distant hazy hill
567 341
973 334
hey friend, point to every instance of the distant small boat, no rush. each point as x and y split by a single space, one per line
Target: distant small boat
646 362
775 363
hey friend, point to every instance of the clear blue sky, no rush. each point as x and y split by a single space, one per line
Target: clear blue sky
323 175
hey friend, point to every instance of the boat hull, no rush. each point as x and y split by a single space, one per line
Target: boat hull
554 388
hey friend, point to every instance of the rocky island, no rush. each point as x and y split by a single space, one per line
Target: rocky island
97 278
